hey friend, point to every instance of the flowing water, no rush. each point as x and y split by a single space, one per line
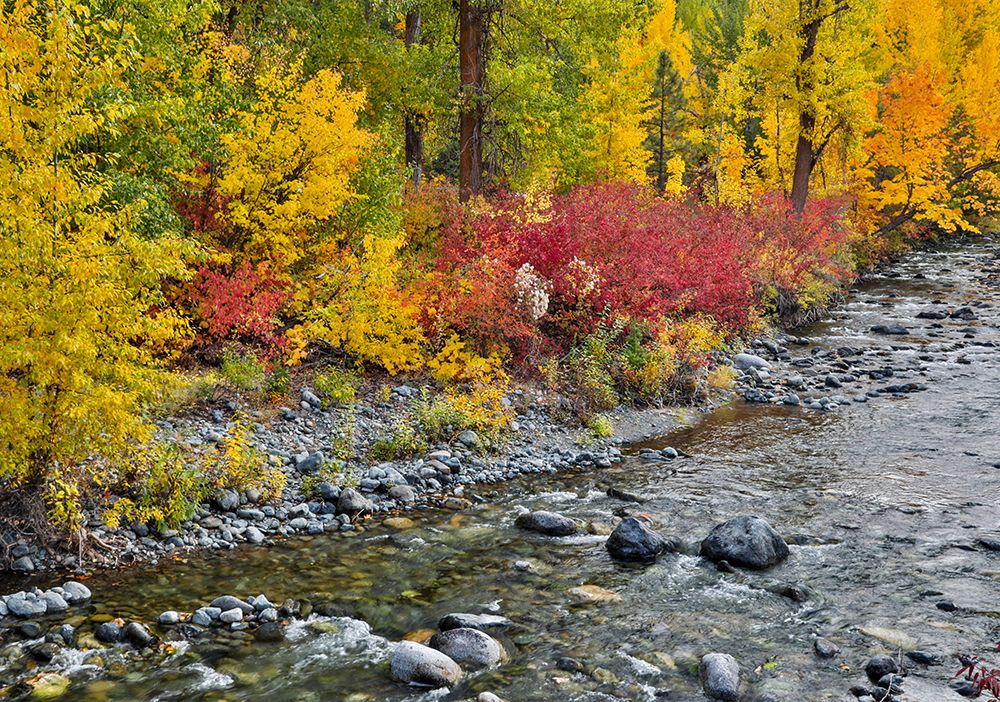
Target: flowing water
882 502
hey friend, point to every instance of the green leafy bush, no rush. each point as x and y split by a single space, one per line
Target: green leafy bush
337 386
243 372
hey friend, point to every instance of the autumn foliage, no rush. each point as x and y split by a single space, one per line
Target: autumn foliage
276 184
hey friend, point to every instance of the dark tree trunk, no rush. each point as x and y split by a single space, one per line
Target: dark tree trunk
804 162
414 123
470 52
805 154
661 164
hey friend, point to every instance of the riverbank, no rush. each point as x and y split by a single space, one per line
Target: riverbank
884 506
542 438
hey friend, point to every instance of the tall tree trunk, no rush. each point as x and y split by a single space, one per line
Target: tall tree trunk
805 155
804 161
414 123
470 52
661 166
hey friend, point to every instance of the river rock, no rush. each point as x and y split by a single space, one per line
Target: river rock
720 676
169 618
470 646
890 329
747 361
227 602
488 697
254 535
227 500
416 664
49 686
351 502
231 616
548 523
270 632
634 541
108 632
746 541
483 622
25 605
54 602
825 648
74 592
593 594
138 635
879 666
204 616
469 438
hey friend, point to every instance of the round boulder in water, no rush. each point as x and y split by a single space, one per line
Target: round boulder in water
634 541
416 664
720 676
745 541
469 646
548 523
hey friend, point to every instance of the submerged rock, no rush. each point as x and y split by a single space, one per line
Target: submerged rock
469 646
49 686
825 648
593 594
416 664
483 622
634 541
746 541
548 523
720 676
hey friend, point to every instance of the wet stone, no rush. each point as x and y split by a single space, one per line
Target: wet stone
548 523
634 541
416 664
483 622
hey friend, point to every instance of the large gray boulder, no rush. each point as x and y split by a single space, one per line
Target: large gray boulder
746 541
415 664
720 676
634 541
548 523
352 503
747 361
469 646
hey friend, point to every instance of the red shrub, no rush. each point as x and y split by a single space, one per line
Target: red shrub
241 303
613 251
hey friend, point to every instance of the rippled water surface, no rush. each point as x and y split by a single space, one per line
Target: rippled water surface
883 503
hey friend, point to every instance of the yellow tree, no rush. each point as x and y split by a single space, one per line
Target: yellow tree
617 96
935 150
81 315
802 74
906 156
290 161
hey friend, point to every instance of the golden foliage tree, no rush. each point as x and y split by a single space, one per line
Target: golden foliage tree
290 161
81 315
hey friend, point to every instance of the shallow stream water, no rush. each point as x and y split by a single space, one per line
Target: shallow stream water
883 503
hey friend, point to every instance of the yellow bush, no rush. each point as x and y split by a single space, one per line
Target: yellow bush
353 303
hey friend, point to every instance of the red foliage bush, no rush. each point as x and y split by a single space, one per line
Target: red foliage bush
613 251
241 304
